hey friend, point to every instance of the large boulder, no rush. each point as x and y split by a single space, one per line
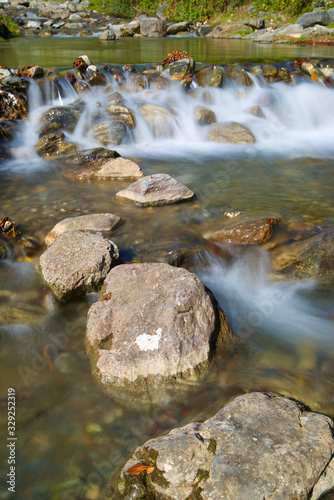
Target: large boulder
156 189
175 28
258 446
157 325
77 263
104 224
313 18
152 27
231 132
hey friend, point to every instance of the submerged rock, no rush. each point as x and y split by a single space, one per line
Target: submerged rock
109 168
157 325
258 446
109 132
310 258
231 132
241 231
77 263
94 223
156 189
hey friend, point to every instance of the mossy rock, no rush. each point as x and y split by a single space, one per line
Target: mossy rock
8 29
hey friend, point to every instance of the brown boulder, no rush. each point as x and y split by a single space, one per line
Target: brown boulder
231 132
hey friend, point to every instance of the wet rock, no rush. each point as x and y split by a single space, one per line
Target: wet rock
77 263
227 29
157 325
204 116
97 79
230 132
54 144
259 446
216 79
152 27
107 133
18 83
313 18
120 113
107 35
13 104
7 130
86 157
66 116
310 258
156 189
158 119
175 28
104 224
82 63
50 128
112 168
241 230
239 75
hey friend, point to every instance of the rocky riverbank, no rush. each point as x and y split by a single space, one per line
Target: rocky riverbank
45 19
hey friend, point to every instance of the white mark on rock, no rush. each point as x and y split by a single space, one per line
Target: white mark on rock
147 342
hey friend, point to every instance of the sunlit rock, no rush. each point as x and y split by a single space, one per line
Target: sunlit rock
261 445
241 230
54 144
157 325
231 133
77 263
66 116
156 189
152 27
108 168
13 104
120 113
104 224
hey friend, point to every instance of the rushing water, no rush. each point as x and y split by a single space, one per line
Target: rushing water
71 437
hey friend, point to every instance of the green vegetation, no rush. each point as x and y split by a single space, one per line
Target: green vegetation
199 10
8 29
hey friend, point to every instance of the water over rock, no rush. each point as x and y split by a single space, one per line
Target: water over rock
260 445
230 132
77 263
157 118
204 116
104 224
107 133
156 189
242 230
158 324
120 113
66 116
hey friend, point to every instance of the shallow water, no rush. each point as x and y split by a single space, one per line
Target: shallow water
72 437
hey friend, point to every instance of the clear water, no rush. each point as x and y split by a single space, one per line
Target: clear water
72 437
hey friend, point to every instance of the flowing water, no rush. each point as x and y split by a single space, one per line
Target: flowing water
72 437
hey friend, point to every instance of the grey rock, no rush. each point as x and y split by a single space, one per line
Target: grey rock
293 30
104 224
130 29
152 27
120 113
107 35
258 446
77 263
75 18
230 132
34 25
157 325
58 25
316 17
175 28
74 26
227 29
156 189
255 24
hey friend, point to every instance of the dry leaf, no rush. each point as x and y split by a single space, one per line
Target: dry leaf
136 469
150 469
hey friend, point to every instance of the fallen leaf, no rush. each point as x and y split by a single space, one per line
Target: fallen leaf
137 469
150 469
107 297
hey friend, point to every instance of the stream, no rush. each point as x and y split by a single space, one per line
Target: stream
71 437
